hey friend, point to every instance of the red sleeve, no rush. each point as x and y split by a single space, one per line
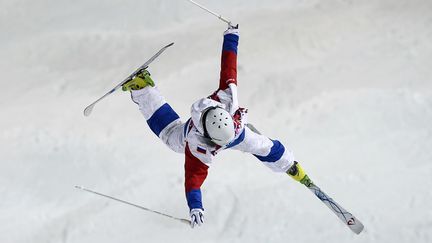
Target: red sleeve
195 171
228 72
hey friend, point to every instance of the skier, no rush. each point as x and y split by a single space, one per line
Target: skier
217 123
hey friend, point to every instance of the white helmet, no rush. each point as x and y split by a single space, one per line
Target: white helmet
218 126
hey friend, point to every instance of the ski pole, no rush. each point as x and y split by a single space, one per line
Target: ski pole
135 205
211 12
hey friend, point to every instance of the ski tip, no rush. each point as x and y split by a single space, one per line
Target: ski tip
358 229
355 225
79 187
172 43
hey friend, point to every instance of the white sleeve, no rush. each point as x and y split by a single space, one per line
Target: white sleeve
229 98
234 104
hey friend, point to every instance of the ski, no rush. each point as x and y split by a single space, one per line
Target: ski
89 109
347 218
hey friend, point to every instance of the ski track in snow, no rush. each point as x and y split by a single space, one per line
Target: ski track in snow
346 84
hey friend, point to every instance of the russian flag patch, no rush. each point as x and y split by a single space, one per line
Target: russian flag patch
201 150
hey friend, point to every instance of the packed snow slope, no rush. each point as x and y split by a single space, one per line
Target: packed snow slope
345 84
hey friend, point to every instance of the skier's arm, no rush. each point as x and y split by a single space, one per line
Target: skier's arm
228 73
195 174
227 91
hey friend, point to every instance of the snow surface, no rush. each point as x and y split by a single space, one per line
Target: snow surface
346 84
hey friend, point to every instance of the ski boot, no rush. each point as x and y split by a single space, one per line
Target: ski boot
297 173
140 81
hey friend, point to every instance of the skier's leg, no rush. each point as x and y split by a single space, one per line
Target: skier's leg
160 117
271 152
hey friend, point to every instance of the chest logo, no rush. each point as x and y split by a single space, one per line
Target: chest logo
201 150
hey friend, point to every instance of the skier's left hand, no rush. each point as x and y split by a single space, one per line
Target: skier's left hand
197 217
232 30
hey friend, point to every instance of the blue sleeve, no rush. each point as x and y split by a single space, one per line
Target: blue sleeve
194 199
230 43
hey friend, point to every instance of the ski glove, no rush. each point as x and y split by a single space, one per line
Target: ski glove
197 217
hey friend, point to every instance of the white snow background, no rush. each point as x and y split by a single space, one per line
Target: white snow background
345 84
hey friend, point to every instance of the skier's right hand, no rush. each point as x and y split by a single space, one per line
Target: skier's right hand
197 217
